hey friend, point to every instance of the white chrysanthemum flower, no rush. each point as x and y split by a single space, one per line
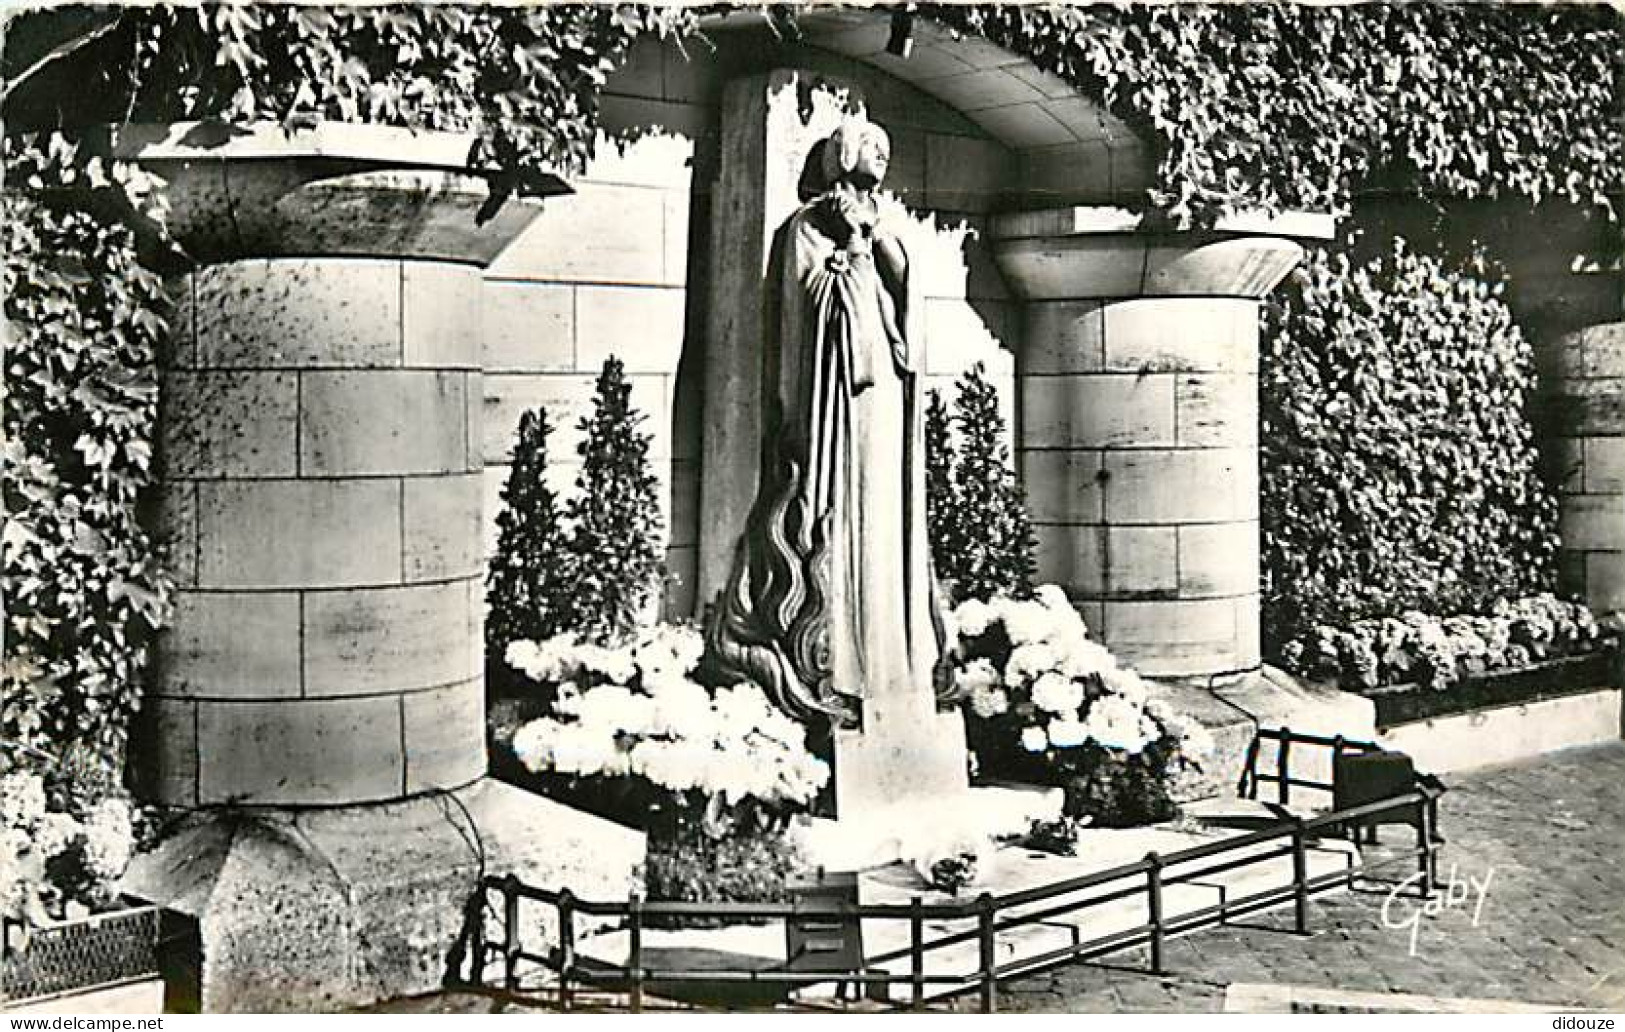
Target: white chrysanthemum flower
1116 723
978 673
1065 734
533 743
567 699
989 701
1027 622
1033 739
56 833
683 709
1028 662
109 839
1053 596
972 617
615 665
1057 694
606 706
586 749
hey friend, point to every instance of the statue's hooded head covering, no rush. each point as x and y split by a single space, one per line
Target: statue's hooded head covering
835 157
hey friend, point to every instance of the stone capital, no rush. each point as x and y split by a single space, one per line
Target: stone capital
335 190
1103 252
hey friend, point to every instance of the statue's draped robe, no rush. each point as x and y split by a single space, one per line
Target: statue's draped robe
830 598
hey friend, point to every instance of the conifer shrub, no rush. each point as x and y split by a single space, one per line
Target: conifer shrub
981 539
614 549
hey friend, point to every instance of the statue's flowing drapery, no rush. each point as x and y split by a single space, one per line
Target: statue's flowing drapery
830 598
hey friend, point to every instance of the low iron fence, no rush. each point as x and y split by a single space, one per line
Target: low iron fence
989 914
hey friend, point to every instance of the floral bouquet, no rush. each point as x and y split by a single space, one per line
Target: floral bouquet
59 854
1044 703
634 714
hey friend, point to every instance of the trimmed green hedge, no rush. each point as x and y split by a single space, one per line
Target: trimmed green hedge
1398 467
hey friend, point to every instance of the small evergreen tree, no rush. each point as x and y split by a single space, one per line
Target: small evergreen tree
615 541
528 587
986 547
939 479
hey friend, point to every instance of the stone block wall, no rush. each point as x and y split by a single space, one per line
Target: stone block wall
604 272
319 440
1584 410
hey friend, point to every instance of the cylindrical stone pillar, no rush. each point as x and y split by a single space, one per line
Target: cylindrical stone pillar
1138 445
1138 437
1584 416
320 474
320 424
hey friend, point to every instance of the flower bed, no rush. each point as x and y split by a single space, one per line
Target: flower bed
1421 651
1554 678
1044 704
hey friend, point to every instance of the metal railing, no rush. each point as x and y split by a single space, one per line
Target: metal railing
1150 877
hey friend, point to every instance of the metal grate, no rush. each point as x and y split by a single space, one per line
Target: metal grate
104 949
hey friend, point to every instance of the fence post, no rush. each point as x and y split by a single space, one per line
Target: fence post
510 932
1283 769
475 919
567 945
1424 845
916 952
1247 788
990 985
1300 879
635 914
1153 889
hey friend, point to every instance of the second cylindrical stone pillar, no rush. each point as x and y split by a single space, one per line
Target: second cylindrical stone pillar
1138 433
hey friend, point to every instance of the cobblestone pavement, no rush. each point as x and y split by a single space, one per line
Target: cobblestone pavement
1552 928
1548 834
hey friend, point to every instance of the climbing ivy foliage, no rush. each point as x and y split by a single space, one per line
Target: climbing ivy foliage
524 79
1293 106
1398 467
83 585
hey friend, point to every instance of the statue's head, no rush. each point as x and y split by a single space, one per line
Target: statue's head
858 150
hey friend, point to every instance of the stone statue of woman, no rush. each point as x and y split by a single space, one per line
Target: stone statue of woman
830 599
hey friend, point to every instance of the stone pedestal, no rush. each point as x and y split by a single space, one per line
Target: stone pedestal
319 456
1138 439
